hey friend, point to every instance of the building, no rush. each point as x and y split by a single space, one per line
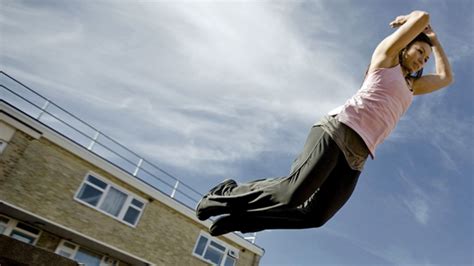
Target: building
68 190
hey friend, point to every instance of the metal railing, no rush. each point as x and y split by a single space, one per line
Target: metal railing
93 140
88 137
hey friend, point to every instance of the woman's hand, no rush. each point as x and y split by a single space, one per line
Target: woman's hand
430 33
400 20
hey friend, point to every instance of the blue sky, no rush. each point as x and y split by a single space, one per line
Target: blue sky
216 89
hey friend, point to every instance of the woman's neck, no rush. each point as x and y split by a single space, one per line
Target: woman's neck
405 71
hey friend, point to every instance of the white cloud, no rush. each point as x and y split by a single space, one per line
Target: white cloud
389 252
416 200
402 256
424 202
211 81
430 121
419 208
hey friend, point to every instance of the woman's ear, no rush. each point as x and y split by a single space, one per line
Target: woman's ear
401 55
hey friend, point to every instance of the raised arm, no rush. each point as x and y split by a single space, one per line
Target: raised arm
443 76
409 26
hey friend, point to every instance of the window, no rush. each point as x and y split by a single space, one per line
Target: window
82 255
18 230
3 224
6 134
110 199
25 233
3 145
214 251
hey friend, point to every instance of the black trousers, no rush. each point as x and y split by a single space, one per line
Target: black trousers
319 184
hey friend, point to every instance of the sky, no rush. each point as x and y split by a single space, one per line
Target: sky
210 90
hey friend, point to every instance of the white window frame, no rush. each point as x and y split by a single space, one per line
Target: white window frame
104 261
229 250
12 226
127 204
6 134
3 145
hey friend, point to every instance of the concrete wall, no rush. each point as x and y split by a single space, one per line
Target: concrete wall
43 178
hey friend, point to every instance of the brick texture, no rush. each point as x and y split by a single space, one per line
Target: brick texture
43 178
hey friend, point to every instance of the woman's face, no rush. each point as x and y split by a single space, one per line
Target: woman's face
416 56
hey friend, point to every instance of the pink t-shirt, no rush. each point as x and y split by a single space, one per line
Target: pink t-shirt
376 108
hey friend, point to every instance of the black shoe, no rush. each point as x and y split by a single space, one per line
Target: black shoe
220 189
225 225
245 222
209 206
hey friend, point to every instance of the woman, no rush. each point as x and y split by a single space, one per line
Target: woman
325 174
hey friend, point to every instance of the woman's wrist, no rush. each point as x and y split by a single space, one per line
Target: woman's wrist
434 40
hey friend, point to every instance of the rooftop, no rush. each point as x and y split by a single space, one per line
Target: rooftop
40 109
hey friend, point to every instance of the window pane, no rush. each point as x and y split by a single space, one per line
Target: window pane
28 228
69 245
114 201
22 237
200 245
2 228
65 254
137 203
87 257
213 255
4 220
214 244
229 261
90 195
96 182
3 145
131 216
3 224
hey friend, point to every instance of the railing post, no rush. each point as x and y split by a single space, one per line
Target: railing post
43 109
252 238
174 189
138 167
97 133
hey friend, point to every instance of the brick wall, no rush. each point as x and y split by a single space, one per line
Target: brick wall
43 178
14 252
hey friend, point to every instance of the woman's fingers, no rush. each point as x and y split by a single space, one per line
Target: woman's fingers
400 20
395 24
429 31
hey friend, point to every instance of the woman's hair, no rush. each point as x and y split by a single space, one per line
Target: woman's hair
422 37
